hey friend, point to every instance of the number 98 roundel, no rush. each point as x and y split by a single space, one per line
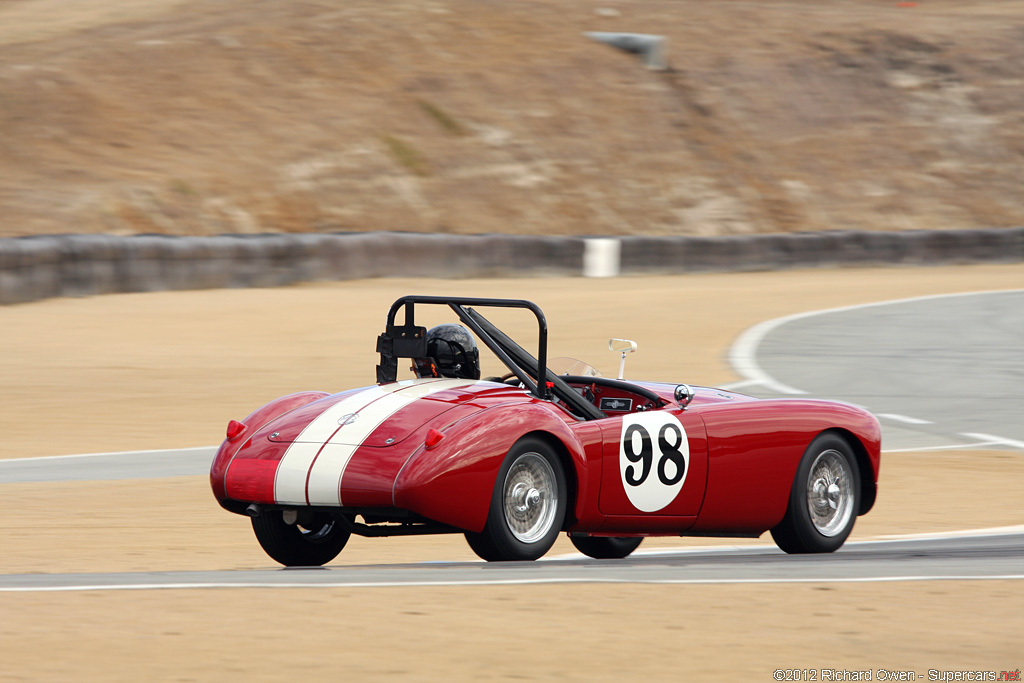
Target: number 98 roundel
653 459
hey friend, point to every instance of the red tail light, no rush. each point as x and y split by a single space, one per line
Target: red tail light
433 438
235 428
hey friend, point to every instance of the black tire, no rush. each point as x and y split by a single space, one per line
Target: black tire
527 505
606 547
311 542
482 546
824 499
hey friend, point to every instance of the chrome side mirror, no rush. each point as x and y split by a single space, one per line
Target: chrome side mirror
622 346
683 394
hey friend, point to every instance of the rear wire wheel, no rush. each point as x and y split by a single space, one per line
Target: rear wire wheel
824 499
527 506
314 540
606 547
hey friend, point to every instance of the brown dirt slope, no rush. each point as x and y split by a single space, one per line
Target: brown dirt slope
179 116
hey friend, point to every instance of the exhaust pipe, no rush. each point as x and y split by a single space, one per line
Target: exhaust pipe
253 510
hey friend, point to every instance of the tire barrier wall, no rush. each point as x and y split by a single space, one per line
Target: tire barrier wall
33 268
820 249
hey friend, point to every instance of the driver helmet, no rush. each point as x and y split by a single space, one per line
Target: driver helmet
451 352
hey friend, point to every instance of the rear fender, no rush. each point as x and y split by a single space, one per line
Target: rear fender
452 482
254 422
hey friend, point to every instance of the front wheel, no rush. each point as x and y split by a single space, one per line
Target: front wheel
527 506
606 547
314 539
824 499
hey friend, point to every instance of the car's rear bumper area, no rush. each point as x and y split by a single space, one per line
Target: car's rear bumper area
371 522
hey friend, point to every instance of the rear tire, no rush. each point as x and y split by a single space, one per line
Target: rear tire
309 543
824 499
606 547
527 506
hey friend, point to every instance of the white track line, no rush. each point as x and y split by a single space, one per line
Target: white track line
502 582
743 354
953 447
944 535
1013 443
112 453
991 531
905 419
888 538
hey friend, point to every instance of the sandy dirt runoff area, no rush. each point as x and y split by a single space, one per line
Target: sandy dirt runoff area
165 370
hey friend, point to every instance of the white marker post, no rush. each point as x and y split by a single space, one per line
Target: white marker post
601 257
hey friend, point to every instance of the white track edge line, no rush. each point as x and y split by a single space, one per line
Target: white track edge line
505 582
888 538
109 454
742 354
952 447
905 419
1013 443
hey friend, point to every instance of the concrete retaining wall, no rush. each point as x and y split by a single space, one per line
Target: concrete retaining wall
33 268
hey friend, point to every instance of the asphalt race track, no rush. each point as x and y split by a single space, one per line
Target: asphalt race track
997 556
941 372
184 462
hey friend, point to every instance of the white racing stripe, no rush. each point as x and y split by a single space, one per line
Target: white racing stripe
323 449
324 486
290 482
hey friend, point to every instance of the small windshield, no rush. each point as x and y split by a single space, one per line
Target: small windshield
572 366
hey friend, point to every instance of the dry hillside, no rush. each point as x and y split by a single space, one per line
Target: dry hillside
467 116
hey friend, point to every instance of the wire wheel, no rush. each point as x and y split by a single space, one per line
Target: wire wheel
530 497
830 494
823 500
527 507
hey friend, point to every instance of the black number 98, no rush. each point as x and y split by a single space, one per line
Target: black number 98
669 453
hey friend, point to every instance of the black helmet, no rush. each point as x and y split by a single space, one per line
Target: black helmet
451 352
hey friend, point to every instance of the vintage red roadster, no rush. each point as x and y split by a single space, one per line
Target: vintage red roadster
511 461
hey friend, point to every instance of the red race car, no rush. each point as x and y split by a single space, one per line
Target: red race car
510 461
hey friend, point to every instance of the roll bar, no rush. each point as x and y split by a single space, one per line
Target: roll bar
410 340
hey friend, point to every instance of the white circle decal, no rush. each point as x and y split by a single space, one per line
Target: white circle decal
654 457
